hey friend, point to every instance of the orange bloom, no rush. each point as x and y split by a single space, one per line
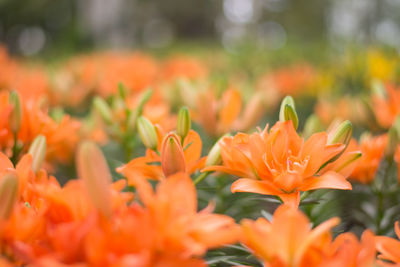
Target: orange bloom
291 80
167 231
387 108
279 162
372 149
347 251
288 240
389 248
181 66
147 166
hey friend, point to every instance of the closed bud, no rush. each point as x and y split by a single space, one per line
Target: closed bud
349 159
138 111
214 156
288 100
38 152
93 170
122 90
8 194
288 111
291 115
147 133
103 109
184 122
341 133
312 125
16 112
172 156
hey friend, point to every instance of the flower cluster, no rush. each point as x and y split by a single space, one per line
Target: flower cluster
124 159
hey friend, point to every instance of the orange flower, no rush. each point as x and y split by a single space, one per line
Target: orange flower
280 162
372 149
347 251
147 166
387 108
220 115
181 66
389 248
288 240
167 231
291 80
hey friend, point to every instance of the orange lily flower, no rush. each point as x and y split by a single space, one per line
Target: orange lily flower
347 251
387 108
167 231
288 240
182 66
146 166
372 149
279 162
389 248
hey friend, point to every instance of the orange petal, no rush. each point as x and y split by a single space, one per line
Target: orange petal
329 179
255 186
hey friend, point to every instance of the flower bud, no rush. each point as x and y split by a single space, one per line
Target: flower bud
122 90
93 170
312 125
147 133
16 112
214 156
104 110
349 159
138 111
288 111
172 156
8 194
341 133
38 152
184 122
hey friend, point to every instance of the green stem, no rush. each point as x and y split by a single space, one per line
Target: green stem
380 209
201 177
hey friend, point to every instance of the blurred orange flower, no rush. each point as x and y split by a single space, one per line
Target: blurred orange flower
389 248
288 240
387 107
372 149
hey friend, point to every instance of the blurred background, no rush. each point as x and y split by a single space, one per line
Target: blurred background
46 27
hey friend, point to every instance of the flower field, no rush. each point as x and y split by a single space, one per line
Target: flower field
200 159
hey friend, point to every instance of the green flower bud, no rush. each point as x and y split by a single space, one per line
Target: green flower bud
16 112
147 133
288 111
104 110
8 194
341 134
184 122
38 152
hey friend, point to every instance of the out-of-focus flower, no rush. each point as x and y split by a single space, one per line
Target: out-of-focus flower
288 239
183 67
380 67
387 107
167 231
347 251
226 114
389 249
279 162
291 80
372 149
346 107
